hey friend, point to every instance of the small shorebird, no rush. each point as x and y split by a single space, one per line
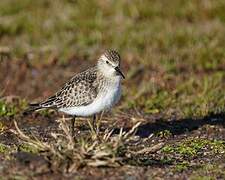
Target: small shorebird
89 92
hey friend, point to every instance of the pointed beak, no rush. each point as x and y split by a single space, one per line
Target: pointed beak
119 71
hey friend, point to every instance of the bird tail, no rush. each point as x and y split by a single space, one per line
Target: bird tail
32 107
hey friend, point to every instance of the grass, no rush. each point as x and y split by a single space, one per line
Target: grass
25 147
68 153
194 147
172 43
164 134
11 106
204 171
3 148
183 154
172 54
7 109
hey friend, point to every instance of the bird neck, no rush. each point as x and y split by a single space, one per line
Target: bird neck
108 74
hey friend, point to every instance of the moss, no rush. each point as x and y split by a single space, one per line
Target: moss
174 60
181 166
208 171
3 148
2 127
164 134
18 177
188 60
194 147
28 148
7 109
45 112
197 177
11 109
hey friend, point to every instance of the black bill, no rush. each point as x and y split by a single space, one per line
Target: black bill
118 70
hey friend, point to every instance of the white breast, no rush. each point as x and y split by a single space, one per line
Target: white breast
106 98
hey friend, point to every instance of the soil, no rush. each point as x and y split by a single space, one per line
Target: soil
27 80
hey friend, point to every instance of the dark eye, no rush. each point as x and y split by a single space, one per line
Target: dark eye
107 62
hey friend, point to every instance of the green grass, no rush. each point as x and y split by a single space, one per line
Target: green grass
183 154
69 27
190 148
95 149
27 148
172 54
203 172
12 108
7 109
164 134
3 148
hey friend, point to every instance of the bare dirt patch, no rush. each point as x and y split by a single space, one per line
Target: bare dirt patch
190 147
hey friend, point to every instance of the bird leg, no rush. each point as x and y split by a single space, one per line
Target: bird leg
94 123
73 125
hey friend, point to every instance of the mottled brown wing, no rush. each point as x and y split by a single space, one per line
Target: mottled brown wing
80 90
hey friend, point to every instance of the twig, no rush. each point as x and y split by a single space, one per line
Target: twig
152 149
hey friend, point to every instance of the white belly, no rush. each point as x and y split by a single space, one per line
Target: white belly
104 101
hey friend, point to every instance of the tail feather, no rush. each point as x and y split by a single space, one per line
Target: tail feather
32 107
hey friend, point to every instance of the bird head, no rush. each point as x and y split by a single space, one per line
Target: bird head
109 64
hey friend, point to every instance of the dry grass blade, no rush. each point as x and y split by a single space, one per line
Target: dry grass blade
132 131
63 125
93 132
34 142
107 135
99 120
150 149
107 150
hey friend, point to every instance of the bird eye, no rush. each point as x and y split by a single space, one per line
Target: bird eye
107 62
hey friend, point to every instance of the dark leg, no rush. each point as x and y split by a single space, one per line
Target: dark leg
94 123
73 125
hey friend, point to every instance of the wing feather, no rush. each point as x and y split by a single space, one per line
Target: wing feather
80 90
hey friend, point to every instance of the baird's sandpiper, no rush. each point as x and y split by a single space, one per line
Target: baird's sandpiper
89 92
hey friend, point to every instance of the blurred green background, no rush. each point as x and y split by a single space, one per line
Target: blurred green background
173 51
173 56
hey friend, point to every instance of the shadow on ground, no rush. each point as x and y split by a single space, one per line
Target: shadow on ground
181 126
